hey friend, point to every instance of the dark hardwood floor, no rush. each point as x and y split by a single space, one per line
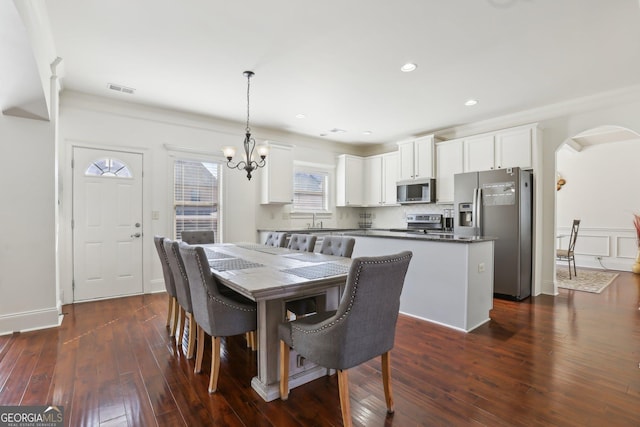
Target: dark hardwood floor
572 360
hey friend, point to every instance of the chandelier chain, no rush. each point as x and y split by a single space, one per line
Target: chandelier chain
248 129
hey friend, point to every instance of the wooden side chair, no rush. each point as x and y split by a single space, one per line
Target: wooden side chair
183 295
363 326
198 237
169 284
568 254
218 315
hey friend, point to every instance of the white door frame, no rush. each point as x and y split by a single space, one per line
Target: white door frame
138 284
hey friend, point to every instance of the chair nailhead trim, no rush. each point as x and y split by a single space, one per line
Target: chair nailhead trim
351 299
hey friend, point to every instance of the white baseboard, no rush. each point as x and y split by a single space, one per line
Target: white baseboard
155 286
30 321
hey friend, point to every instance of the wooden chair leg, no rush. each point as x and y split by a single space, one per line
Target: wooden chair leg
284 370
191 343
199 350
569 263
386 381
575 273
215 364
170 312
180 331
254 340
345 405
174 317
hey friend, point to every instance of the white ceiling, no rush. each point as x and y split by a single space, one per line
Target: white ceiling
338 61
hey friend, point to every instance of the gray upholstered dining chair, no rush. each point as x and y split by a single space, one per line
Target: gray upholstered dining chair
568 254
198 237
338 246
217 314
278 240
331 245
362 327
169 284
302 242
183 295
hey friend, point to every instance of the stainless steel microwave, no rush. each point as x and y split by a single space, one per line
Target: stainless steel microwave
416 191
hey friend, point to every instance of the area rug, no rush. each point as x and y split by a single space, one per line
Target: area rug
594 281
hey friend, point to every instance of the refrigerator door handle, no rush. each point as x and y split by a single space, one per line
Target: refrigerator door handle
474 208
478 206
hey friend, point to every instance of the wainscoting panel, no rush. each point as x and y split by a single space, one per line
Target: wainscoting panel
602 247
626 247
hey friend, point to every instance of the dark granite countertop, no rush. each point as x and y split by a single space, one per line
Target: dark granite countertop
431 237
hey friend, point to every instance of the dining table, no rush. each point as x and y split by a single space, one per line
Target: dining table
272 276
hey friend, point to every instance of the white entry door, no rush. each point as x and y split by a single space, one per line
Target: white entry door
107 223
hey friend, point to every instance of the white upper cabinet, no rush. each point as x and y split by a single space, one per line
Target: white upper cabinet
373 180
450 156
416 158
479 153
277 176
349 181
380 178
390 178
513 148
503 149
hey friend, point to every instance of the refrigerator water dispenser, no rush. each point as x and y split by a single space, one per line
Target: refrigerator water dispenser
465 215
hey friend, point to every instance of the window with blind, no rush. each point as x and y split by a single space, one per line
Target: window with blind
310 191
195 196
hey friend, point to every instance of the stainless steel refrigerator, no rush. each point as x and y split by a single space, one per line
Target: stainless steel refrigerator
498 203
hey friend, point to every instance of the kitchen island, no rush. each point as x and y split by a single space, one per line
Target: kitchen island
450 278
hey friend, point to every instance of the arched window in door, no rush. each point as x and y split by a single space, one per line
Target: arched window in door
108 167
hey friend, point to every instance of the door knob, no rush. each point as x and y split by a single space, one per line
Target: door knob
136 235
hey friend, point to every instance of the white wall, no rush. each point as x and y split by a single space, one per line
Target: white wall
27 248
157 134
601 192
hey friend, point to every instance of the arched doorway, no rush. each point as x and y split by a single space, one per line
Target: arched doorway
596 181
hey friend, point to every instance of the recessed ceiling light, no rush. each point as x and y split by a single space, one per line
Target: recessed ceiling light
471 102
367 132
300 116
408 67
336 130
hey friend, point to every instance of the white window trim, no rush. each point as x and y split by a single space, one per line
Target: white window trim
183 153
317 167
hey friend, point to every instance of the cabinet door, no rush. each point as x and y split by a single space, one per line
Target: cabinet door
373 180
479 154
423 163
277 176
449 157
513 148
389 178
406 160
349 181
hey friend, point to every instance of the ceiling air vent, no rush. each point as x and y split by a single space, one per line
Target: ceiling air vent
120 88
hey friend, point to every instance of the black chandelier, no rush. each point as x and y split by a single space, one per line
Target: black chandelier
248 164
